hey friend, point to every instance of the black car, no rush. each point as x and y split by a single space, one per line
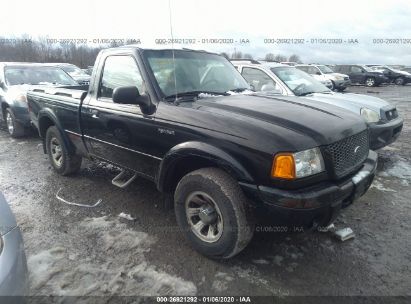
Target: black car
187 121
15 80
395 76
362 74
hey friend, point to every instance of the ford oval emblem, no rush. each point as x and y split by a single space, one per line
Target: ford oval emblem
356 149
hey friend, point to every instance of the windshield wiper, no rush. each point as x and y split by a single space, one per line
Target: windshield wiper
238 90
193 94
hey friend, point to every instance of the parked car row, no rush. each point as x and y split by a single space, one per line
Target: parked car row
223 142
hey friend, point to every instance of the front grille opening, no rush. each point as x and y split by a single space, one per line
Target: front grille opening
391 114
347 155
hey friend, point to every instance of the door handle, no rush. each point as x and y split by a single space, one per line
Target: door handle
94 113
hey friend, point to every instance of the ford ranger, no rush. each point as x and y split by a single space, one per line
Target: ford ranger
187 121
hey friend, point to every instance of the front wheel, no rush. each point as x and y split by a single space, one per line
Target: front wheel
370 82
14 128
211 209
60 158
399 81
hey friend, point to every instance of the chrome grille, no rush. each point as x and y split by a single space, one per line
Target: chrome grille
346 155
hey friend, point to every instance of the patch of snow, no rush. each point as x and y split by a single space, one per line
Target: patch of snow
245 92
115 264
126 216
221 281
401 169
379 186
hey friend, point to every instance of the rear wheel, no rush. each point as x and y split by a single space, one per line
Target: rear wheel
370 82
211 209
60 158
14 128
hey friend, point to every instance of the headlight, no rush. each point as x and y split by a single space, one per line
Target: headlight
369 115
297 165
16 97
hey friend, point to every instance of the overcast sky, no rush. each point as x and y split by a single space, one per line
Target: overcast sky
256 20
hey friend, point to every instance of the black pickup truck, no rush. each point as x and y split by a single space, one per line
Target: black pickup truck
187 121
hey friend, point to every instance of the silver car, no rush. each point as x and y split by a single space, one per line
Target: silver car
13 266
338 81
383 120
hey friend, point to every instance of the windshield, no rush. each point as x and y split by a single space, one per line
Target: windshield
72 70
193 72
368 69
298 81
37 75
325 69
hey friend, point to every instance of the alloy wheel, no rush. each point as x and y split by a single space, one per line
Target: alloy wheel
204 217
56 152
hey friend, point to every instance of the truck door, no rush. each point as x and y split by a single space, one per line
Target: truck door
120 133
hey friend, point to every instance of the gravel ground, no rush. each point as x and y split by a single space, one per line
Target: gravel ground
94 251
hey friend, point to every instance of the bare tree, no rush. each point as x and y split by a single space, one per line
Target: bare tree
280 58
294 58
269 57
237 55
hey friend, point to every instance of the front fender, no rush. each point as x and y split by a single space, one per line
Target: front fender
204 151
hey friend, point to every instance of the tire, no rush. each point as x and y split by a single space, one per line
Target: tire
14 128
370 82
234 222
399 81
66 164
341 89
332 86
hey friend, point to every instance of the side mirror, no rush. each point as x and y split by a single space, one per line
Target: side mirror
318 73
130 95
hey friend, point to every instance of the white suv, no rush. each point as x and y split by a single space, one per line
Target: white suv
339 81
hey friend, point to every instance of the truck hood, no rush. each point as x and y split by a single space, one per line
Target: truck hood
289 119
350 101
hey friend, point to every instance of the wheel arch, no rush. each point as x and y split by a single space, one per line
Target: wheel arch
46 119
190 156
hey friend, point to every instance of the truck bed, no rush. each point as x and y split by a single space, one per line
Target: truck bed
76 92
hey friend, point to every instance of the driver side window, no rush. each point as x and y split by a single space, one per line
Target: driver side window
259 79
356 69
119 71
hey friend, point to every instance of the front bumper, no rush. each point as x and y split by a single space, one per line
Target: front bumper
382 135
342 83
316 205
13 265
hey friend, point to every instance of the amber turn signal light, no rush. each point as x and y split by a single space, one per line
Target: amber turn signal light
283 166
